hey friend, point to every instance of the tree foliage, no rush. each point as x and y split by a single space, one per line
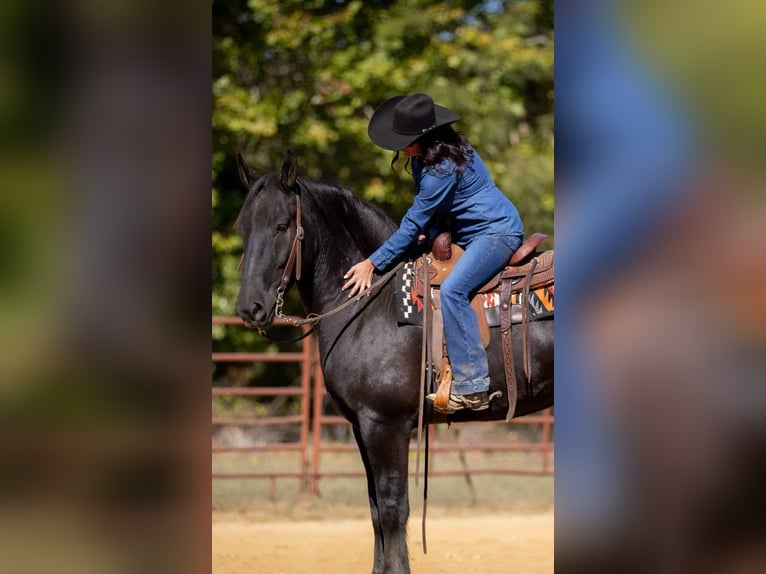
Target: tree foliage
308 74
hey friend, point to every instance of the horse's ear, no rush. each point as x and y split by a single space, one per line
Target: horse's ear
289 171
246 173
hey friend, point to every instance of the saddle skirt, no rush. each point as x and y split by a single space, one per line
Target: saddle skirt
540 298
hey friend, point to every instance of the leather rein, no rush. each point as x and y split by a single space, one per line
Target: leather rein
293 267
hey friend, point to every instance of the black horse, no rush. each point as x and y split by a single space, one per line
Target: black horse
371 366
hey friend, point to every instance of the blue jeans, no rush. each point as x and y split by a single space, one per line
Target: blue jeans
483 258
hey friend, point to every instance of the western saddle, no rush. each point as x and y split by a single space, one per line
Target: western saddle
526 269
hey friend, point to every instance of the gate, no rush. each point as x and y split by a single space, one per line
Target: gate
311 392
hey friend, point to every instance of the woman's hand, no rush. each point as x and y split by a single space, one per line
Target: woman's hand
359 277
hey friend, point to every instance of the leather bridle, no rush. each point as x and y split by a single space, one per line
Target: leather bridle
293 260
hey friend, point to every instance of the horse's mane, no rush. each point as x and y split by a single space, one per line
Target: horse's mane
362 221
365 223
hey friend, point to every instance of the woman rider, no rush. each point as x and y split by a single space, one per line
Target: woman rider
452 184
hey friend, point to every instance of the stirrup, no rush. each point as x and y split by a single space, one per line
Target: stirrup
469 401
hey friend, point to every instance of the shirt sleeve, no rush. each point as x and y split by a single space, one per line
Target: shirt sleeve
434 189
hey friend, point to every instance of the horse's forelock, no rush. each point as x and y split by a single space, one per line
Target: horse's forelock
250 198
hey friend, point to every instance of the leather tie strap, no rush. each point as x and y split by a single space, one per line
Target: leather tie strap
425 374
425 367
525 324
505 331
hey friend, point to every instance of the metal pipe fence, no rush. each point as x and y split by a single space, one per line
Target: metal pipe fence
312 417
305 358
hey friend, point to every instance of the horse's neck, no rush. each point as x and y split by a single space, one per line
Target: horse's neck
321 287
337 239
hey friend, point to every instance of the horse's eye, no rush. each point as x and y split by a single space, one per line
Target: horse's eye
281 227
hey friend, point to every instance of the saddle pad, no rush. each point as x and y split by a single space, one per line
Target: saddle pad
409 306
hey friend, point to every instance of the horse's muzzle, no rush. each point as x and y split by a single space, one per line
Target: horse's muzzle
255 315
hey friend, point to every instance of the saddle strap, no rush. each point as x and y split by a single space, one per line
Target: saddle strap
505 331
525 323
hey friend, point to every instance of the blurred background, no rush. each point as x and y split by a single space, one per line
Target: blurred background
660 224
104 243
105 239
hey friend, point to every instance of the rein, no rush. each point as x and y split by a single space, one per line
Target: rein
312 318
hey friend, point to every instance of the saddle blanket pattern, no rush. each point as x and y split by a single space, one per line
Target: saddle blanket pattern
409 306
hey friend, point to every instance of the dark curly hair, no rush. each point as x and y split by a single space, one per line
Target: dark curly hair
444 143
440 144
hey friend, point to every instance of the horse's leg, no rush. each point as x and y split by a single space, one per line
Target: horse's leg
387 446
378 556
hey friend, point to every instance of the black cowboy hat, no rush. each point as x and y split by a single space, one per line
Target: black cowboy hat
401 120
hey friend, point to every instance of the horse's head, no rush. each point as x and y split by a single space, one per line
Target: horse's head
269 227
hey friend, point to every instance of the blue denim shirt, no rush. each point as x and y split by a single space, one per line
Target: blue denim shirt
470 202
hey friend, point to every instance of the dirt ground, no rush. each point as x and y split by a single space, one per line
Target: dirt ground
485 544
